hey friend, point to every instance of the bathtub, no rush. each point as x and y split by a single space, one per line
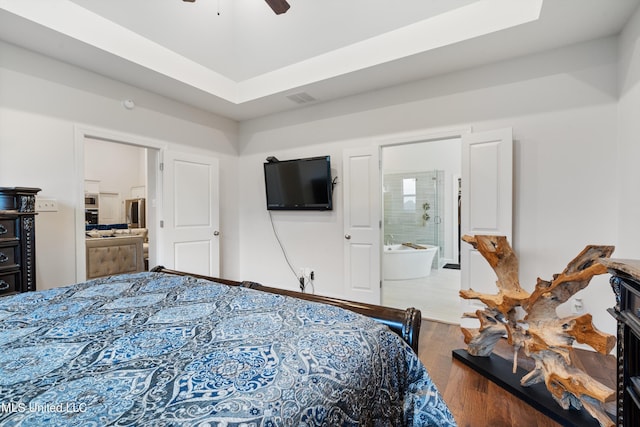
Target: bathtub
402 262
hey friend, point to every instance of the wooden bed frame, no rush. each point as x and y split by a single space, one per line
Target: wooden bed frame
405 323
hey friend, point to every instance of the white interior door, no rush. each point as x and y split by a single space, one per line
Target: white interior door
361 185
190 236
487 203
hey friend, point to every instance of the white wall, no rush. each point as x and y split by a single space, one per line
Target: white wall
627 171
116 168
562 106
441 154
41 102
307 236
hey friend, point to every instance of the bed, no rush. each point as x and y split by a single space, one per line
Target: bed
164 348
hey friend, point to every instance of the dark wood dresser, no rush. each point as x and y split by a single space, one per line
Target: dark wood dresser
17 240
625 282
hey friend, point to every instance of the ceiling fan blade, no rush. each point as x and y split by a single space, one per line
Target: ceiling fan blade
278 6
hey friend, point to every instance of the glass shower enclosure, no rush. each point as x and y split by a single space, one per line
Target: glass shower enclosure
414 209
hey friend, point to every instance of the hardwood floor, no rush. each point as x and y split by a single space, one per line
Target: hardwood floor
474 400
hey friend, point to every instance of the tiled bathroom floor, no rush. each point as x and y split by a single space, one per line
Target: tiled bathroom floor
436 296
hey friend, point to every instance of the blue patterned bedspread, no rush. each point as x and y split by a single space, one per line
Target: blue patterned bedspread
152 349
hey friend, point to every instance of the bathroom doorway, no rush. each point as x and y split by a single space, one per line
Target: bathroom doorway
421 227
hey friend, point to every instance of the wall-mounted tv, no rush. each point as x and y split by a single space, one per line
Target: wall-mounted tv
300 184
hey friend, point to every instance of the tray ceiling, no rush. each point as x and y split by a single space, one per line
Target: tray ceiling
238 59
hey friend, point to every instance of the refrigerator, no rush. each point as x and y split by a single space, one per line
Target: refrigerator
135 210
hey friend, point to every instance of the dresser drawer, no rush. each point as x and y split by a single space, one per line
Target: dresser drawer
630 302
8 283
9 256
8 228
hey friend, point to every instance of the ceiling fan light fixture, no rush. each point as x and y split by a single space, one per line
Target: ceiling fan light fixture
278 6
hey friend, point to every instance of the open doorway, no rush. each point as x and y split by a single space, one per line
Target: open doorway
115 188
119 181
421 227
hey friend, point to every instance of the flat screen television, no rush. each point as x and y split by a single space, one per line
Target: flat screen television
300 184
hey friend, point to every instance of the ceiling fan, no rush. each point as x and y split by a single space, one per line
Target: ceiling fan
278 6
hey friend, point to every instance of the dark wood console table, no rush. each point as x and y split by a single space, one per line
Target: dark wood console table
625 282
17 240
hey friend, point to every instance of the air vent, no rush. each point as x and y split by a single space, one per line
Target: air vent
301 98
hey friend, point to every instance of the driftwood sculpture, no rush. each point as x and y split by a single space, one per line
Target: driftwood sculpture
543 336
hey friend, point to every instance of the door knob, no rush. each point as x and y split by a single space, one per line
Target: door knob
216 233
347 236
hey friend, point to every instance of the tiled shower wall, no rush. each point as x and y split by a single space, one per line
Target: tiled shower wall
404 222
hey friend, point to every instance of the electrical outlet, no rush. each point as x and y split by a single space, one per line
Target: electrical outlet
46 205
305 276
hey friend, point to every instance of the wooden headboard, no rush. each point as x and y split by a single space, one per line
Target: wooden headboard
405 323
